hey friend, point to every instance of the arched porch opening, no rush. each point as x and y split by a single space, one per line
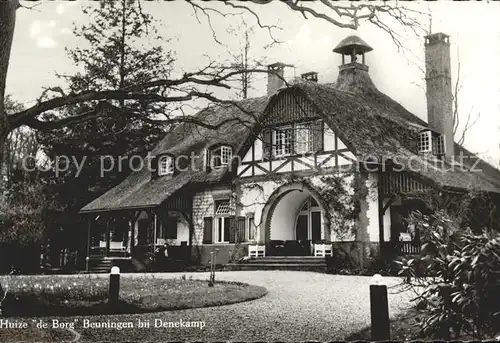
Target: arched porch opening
294 218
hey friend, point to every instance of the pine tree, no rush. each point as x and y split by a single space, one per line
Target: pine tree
123 49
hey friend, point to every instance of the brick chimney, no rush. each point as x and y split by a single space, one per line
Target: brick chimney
439 90
275 77
310 76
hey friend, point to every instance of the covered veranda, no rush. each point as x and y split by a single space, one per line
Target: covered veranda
135 227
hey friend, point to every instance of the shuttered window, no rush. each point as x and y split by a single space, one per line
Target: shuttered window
251 228
232 230
237 229
267 144
240 227
317 135
207 230
303 138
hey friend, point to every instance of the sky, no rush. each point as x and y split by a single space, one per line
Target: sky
43 32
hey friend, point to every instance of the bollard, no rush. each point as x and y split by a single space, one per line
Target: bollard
379 309
212 269
114 285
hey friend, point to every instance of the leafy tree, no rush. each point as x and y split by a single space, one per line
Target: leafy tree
20 146
112 57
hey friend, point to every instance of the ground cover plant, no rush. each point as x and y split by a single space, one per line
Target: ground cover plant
31 296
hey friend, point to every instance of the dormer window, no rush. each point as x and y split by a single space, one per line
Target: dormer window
424 141
221 156
438 147
165 165
431 142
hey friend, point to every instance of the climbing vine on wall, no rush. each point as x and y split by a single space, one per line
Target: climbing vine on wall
342 193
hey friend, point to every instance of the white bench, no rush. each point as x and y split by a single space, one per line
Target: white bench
256 250
116 246
323 250
113 246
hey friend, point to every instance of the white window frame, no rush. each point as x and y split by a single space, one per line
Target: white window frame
280 148
222 154
219 237
165 165
424 143
226 154
222 211
438 145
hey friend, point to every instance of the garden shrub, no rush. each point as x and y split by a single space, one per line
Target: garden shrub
461 289
238 252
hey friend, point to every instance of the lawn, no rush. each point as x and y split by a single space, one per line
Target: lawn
34 296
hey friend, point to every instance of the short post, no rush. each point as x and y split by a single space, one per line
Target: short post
379 309
114 285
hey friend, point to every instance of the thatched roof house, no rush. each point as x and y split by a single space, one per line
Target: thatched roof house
369 126
368 121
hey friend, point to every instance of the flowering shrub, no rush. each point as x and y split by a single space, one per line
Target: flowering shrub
460 291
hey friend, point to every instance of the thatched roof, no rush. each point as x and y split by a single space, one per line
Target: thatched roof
368 121
347 44
140 190
375 126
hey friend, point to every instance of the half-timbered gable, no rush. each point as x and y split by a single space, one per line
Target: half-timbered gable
294 138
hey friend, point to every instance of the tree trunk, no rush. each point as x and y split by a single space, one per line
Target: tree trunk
7 24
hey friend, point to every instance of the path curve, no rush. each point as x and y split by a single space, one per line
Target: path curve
299 306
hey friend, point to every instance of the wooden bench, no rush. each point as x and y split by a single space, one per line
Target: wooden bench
322 250
256 250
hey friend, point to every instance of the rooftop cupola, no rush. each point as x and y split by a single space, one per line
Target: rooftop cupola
353 46
353 76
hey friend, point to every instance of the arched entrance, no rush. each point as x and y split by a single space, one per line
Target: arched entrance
294 216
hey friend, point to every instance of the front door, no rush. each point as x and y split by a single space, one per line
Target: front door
302 228
316 226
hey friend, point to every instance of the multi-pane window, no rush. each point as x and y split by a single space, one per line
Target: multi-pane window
222 229
438 145
222 221
303 138
424 141
299 138
165 165
431 141
282 142
221 156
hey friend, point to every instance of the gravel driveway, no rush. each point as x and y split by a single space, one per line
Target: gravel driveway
300 306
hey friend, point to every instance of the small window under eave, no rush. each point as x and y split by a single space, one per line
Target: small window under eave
221 155
165 165
431 142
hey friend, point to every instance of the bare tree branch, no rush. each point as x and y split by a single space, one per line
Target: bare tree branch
217 80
